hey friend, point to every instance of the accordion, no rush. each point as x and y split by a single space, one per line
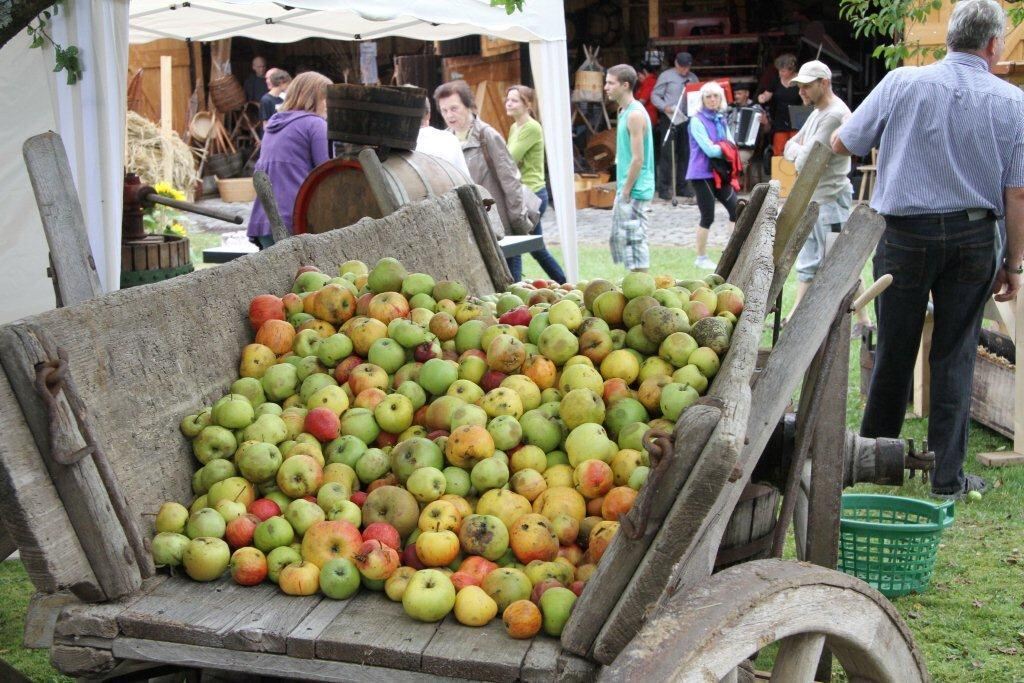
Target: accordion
747 125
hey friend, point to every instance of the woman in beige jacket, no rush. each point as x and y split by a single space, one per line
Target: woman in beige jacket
490 164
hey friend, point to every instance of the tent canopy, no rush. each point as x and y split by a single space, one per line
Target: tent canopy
352 20
541 24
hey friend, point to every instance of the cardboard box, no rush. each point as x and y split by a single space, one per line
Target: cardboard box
785 172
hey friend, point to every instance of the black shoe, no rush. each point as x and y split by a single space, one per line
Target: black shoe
664 196
972 482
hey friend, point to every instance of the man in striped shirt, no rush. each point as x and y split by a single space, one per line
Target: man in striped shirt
950 139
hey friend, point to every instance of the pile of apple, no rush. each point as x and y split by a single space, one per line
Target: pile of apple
458 454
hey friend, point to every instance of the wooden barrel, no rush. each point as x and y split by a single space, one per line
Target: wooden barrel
379 115
600 151
749 533
590 85
154 258
227 93
336 193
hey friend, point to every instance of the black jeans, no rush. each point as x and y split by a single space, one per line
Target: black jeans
953 259
663 178
542 255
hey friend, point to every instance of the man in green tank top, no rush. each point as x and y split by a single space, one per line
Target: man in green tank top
634 171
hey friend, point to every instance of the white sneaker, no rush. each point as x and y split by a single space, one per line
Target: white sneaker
704 262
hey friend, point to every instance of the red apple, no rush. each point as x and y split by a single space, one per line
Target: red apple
263 308
344 368
264 509
436 433
383 532
323 423
363 304
385 439
425 351
238 532
520 315
492 379
411 559
358 497
544 585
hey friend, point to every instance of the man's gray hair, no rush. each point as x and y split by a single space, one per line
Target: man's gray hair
973 24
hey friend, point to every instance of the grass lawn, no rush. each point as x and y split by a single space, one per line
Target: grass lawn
970 625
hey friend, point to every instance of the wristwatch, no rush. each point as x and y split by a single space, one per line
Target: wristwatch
1019 270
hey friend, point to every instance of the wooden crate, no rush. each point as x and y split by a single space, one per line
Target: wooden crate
785 172
992 395
583 198
602 196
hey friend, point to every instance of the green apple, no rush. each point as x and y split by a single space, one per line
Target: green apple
171 518
388 354
457 481
273 533
414 392
279 558
426 484
251 388
206 559
345 449
191 425
359 422
339 578
437 375
315 383
372 465
429 596
214 442
394 414
168 548
205 522
280 381
346 511
217 470
302 514
412 454
234 411
555 607
333 349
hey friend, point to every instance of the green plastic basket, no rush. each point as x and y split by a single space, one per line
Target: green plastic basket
891 542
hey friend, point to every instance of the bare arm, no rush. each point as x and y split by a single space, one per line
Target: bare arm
636 124
837 144
1007 284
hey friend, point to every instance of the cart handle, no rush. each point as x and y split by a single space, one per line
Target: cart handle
879 286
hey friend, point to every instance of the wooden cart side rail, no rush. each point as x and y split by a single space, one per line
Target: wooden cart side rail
740 232
145 357
774 386
704 501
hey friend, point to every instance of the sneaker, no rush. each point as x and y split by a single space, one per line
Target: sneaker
972 483
704 262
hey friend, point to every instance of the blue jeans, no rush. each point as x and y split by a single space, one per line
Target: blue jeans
542 255
955 261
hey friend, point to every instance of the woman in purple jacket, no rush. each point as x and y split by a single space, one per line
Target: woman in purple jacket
294 143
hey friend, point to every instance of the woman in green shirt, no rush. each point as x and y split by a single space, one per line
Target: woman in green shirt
526 145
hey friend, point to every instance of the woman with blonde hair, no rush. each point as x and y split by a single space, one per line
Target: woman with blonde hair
526 145
709 132
294 143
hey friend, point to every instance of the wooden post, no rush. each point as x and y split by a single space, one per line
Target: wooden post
166 113
1013 315
653 18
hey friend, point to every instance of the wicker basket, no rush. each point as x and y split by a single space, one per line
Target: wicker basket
201 125
227 93
236 189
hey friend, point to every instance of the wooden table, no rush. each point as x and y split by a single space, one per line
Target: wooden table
513 245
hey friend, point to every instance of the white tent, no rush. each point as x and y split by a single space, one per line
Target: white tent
90 115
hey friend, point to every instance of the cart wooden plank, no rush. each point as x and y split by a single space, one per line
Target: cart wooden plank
541 661
260 663
184 611
485 653
302 639
267 627
372 629
32 511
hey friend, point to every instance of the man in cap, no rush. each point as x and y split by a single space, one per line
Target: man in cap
666 97
834 193
950 140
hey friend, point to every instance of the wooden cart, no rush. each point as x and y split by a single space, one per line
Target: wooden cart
91 395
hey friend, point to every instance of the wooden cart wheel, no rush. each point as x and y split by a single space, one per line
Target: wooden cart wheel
711 630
